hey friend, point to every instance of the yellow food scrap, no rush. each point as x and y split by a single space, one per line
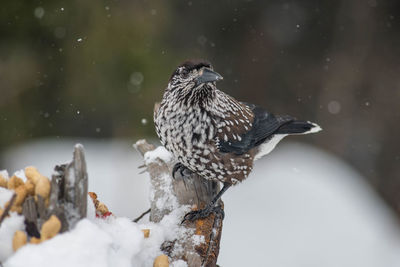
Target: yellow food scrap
35 240
32 174
17 209
3 181
50 228
30 187
19 240
21 195
102 208
42 187
161 261
92 195
146 233
14 182
13 207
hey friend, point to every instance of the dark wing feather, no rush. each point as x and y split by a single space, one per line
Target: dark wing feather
264 125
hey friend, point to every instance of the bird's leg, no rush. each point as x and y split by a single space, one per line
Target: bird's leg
210 208
181 169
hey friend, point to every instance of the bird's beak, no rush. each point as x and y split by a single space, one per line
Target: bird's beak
207 75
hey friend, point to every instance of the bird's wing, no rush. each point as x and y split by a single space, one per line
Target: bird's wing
263 125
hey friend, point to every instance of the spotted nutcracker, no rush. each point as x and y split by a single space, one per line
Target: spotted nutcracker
214 135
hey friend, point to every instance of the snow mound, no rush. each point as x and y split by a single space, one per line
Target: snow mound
97 243
7 229
158 153
91 243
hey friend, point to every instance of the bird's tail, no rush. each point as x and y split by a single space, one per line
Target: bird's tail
299 127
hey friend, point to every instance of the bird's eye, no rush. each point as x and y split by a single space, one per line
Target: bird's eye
184 73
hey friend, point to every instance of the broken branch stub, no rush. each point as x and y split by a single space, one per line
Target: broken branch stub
69 189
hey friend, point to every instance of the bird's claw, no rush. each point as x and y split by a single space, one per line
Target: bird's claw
203 213
181 169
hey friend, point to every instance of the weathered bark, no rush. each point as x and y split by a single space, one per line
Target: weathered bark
194 191
69 189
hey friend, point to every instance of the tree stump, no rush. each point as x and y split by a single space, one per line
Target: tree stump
193 191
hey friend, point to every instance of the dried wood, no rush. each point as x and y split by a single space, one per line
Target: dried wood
29 210
196 192
69 189
41 211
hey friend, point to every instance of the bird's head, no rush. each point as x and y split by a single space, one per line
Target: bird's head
193 75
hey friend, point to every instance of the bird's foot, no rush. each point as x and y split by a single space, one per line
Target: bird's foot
180 169
204 213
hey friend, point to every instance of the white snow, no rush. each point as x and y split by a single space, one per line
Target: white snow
7 229
21 174
4 173
5 195
198 239
101 242
167 229
179 263
86 244
299 207
158 153
166 199
96 242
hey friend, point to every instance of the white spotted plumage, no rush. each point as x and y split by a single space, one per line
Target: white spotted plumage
210 132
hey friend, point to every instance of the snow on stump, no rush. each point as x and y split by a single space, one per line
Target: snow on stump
198 241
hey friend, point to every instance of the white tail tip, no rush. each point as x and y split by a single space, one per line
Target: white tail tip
314 129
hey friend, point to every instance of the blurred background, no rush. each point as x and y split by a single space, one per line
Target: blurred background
92 70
